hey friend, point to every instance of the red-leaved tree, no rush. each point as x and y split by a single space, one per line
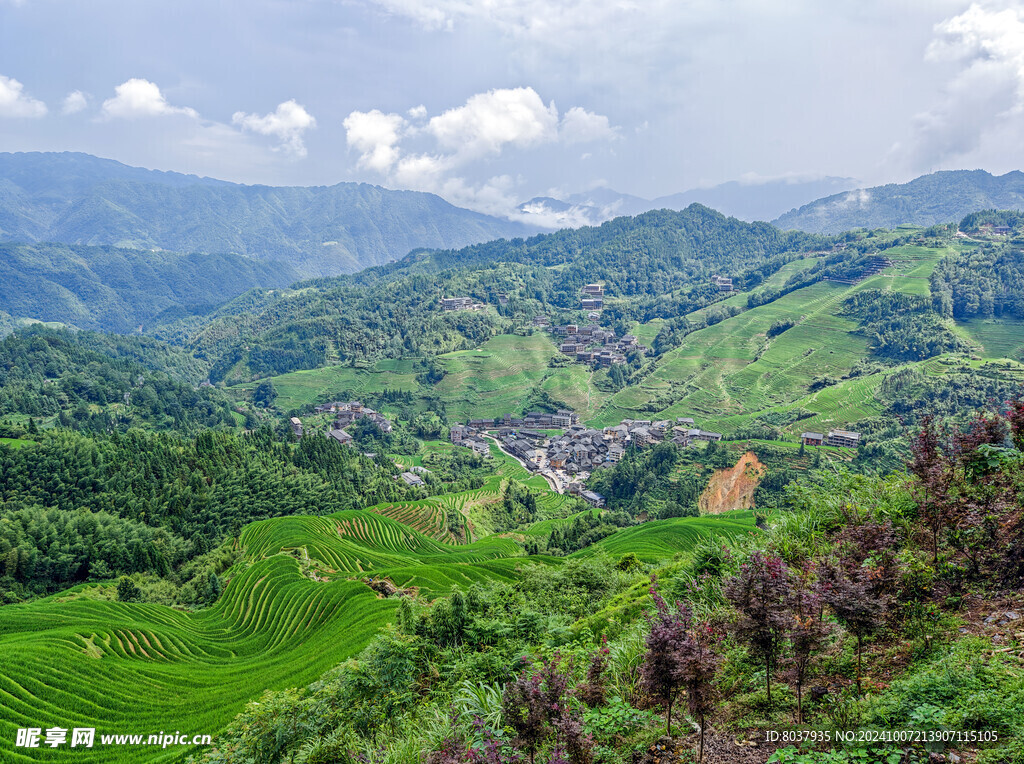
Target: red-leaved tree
660 675
761 592
807 634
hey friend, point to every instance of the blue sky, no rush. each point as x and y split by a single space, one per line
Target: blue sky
490 103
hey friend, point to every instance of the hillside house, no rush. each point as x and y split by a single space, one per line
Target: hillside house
641 436
843 439
594 290
661 428
456 303
812 438
619 433
592 303
724 283
411 479
541 321
538 419
685 420
592 498
340 436
681 436
459 432
708 437
564 418
296 425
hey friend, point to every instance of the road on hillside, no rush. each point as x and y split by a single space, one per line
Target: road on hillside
551 479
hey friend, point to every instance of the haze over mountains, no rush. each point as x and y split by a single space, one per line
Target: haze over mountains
940 197
75 198
750 201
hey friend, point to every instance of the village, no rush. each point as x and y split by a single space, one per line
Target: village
555 445
568 458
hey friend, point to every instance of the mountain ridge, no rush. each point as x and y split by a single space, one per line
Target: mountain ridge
318 230
939 197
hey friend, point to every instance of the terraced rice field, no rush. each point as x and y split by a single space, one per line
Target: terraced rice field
144 669
996 338
359 541
495 379
662 539
730 370
292 608
15 442
425 516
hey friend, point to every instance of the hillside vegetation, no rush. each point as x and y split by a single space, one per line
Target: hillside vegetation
122 290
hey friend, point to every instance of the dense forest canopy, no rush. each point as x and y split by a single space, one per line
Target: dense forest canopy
100 382
984 283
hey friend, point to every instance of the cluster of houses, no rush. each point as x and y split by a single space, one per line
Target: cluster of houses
345 414
838 438
461 303
569 458
594 345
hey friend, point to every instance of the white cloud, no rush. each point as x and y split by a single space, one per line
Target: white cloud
287 123
15 103
74 102
985 44
375 136
141 98
582 126
479 130
488 121
421 172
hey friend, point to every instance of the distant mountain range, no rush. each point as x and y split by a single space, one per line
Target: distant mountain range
941 197
75 198
746 201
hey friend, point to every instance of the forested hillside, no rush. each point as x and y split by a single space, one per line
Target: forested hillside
936 198
80 199
657 264
123 290
100 382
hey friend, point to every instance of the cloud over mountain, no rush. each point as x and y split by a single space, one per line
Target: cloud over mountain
430 156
